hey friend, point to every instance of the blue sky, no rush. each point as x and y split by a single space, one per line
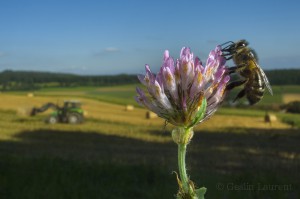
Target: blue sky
113 37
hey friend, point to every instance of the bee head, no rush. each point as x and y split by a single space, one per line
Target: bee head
241 44
232 48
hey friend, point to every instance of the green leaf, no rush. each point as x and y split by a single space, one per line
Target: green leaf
200 114
200 192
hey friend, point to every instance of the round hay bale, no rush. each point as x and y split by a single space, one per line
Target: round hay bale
273 118
270 118
24 111
129 108
30 95
150 115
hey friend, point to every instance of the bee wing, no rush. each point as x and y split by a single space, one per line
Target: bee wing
266 81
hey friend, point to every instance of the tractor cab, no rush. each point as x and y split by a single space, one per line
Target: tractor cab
72 104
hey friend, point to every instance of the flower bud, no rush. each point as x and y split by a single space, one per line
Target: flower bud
182 135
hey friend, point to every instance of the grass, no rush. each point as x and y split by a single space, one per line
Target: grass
241 112
293 89
120 154
122 95
268 99
292 119
56 178
47 178
48 163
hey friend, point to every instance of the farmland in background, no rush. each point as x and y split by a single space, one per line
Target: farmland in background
124 95
117 153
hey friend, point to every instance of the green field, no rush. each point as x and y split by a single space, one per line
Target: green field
125 94
120 154
116 94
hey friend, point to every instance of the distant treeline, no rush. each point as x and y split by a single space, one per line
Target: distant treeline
31 80
284 76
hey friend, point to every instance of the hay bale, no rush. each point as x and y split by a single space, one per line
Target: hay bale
30 95
150 115
270 118
24 111
129 108
273 118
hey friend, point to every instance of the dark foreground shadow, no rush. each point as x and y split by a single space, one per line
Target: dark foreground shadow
70 164
87 146
234 151
246 149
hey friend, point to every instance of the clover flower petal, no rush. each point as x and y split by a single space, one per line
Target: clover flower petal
185 92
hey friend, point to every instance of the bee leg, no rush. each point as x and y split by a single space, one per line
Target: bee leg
228 58
235 84
232 69
241 94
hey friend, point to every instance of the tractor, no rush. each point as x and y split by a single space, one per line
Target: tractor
71 112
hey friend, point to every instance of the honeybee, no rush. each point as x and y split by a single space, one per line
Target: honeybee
246 61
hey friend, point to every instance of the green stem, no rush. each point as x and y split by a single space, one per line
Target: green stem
182 137
182 169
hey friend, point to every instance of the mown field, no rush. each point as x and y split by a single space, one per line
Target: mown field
120 154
